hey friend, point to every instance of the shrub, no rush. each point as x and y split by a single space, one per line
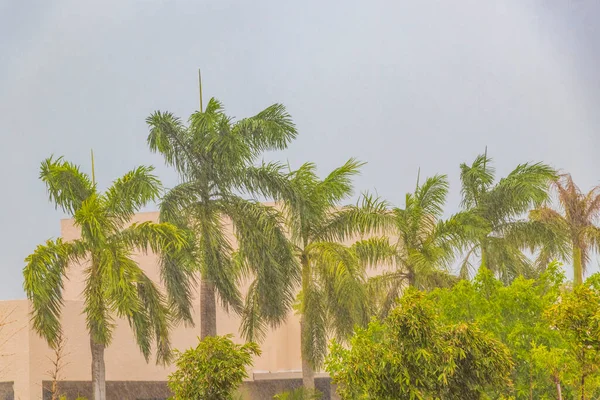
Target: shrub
211 371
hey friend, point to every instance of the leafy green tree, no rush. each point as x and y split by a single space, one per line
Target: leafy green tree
577 318
333 296
515 315
573 227
423 245
556 363
213 370
115 285
214 157
501 205
413 355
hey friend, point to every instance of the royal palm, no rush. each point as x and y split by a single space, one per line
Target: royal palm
502 206
215 159
115 285
422 245
332 296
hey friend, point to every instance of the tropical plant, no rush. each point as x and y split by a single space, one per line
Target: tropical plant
413 355
213 370
577 318
513 314
501 206
332 297
115 285
573 227
214 158
424 245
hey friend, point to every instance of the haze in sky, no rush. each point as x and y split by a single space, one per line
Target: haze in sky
399 84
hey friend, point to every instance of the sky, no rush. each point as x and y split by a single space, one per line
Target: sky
401 85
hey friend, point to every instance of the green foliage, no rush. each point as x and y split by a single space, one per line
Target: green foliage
423 245
412 354
213 370
571 232
514 314
115 285
333 295
214 157
299 394
501 206
577 318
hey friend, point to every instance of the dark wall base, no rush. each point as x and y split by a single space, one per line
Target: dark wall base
7 391
137 390
259 390
115 390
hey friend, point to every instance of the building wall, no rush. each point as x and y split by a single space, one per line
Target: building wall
14 347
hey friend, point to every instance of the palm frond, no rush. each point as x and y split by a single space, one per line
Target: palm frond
99 321
337 186
160 238
67 186
476 179
43 274
270 129
375 252
267 180
383 290
264 246
525 187
169 137
176 204
341 277
130 193
313 325
214 253
157 324
253 326
431 195
370 215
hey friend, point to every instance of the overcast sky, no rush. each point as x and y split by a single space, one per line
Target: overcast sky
399 84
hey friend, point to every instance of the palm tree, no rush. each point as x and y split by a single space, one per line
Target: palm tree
573 227
214 158
423 245
115 285
332 297
501 206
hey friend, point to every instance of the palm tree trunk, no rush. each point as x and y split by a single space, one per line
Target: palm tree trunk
98 371
484 260
412 279
208 309
577 265
558 389
308 372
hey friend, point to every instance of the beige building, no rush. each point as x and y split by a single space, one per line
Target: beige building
26 361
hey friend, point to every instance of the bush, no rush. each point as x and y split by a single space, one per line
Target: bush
211 371
414 355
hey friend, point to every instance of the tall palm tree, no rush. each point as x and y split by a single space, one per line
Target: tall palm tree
574 226
423 245
332 297
115 285
501 206
214 158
